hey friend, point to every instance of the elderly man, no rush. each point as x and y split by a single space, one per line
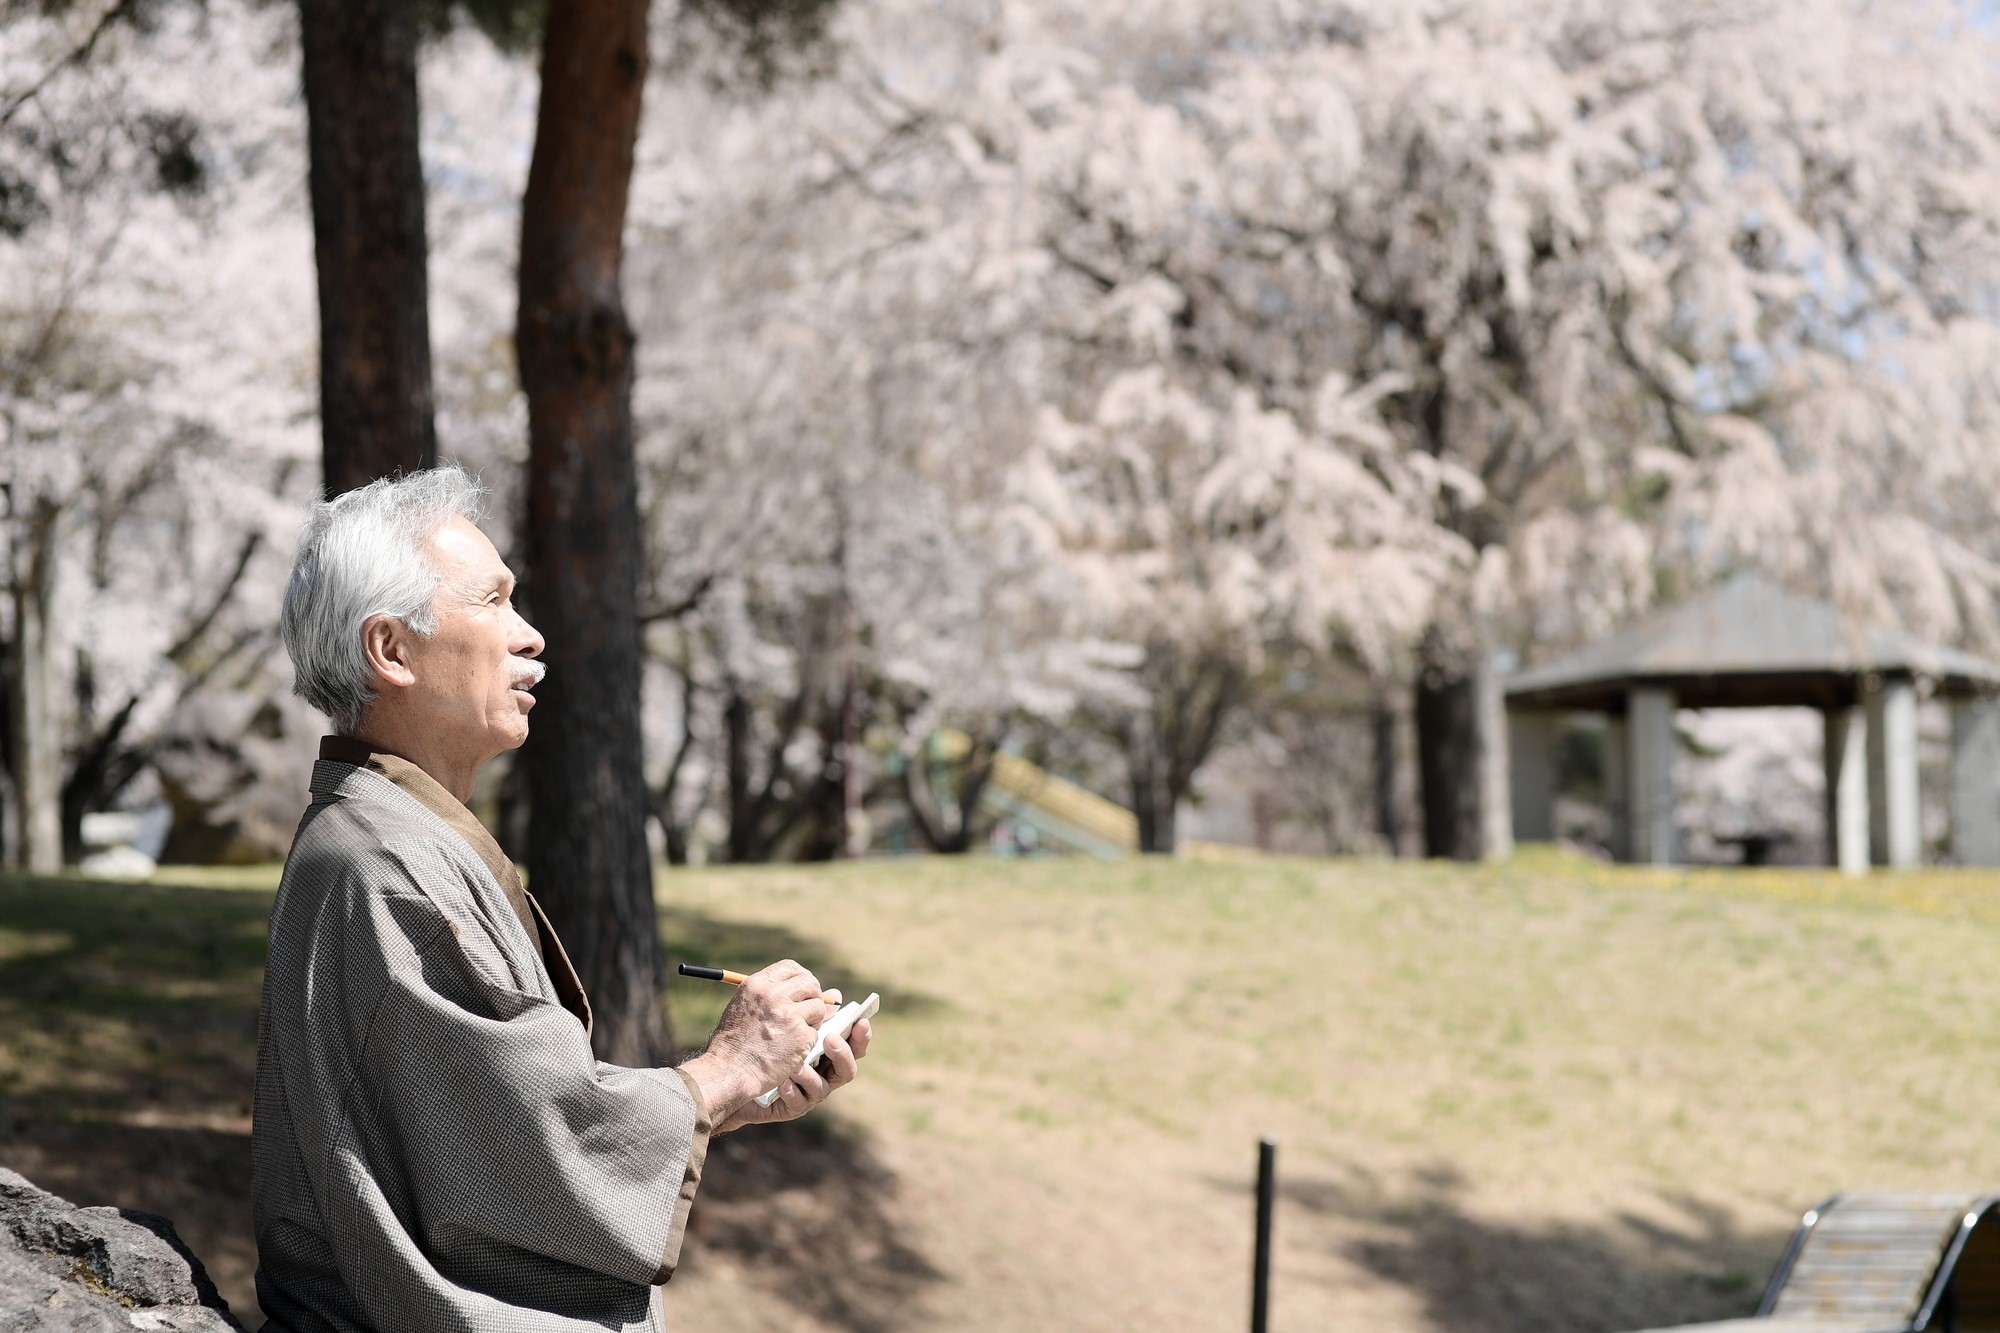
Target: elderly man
436 1147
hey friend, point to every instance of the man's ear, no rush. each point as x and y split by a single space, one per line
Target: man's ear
385 642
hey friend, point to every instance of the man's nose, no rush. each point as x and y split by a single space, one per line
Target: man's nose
526 640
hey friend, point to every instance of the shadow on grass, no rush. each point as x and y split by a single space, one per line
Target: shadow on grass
128 1045
198 1179
696 937
1477 1274
806 1207
128 1049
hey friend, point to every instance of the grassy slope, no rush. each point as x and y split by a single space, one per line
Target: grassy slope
1546 1096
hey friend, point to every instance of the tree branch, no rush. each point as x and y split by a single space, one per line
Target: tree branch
77 55
177 654
672 611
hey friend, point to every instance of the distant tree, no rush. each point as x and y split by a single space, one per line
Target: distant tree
147 382
1204 534
376 414
1648 278
1620 296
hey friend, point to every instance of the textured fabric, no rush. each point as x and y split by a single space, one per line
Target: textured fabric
428 792
435 1146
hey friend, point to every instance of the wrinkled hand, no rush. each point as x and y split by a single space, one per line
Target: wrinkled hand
807 1088
761 1039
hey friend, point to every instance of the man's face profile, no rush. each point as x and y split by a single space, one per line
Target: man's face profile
469 679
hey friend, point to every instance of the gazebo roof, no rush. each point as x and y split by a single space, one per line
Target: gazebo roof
1745 644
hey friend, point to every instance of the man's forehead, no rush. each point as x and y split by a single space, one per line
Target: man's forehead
466 554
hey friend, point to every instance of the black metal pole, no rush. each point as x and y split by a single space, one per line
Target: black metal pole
1260 1273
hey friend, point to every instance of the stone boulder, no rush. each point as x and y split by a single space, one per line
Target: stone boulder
82 1270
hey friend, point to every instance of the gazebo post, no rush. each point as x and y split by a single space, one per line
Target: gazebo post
1531 773
1975 781
1847 788
1650 714
1895 827
1618 784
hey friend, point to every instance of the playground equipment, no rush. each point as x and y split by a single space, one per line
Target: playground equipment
1063 816
1884 1263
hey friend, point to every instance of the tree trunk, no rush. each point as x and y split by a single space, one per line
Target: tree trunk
743 809
367 186
1462 756
925 801
1388 807
672 831
587 856
854 830
1153 804
103 768
767 808
37 757
1192 696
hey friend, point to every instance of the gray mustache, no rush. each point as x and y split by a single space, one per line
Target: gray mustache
526 673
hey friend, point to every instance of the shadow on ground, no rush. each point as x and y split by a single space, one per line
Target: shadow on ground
128 1043
199 1179
807 1208
1476 1274
696 937
128 1047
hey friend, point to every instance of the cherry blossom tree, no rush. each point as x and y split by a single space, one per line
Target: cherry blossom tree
1660 286
1023 365
152 380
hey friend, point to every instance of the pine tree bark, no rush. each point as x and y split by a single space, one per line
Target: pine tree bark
367 186
587 857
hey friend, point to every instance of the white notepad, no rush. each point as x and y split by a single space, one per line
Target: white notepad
839 1025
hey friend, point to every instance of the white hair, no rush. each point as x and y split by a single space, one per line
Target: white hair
366 554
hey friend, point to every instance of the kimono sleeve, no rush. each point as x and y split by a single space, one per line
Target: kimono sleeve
511 1134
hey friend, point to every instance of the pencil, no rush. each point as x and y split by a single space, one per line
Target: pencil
724 974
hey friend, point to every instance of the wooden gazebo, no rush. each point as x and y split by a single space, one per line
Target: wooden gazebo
1751 644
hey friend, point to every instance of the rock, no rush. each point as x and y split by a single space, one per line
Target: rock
118 863
86 1269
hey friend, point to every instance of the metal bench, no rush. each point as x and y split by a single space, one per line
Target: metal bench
1884 1263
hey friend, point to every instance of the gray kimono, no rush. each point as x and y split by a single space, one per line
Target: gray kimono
436 1148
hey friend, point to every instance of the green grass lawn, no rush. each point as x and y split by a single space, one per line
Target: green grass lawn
1541 1096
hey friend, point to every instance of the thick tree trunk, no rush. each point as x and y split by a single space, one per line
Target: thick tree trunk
368 233
587 856
1462 756
37 758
